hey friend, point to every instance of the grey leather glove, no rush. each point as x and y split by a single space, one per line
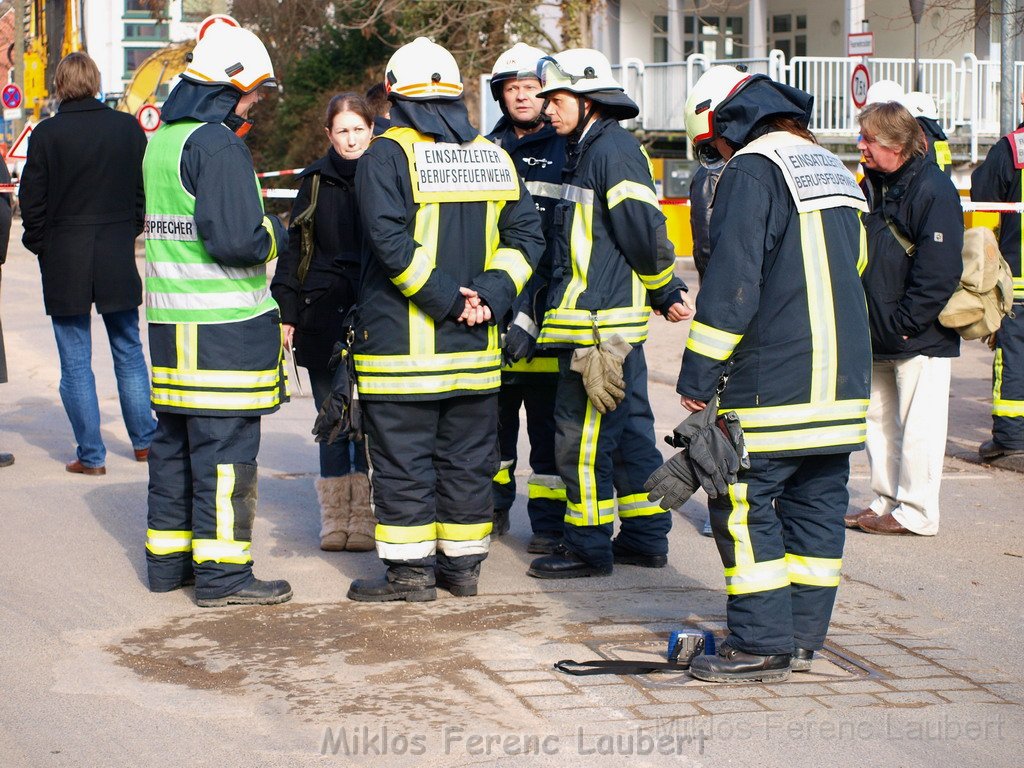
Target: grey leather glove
673 483
713 456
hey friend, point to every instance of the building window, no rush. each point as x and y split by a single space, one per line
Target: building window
789 34
133 57
197 10
150 9
714 36
146 32
660 40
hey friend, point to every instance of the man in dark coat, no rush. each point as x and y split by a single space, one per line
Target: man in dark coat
6 459
82 205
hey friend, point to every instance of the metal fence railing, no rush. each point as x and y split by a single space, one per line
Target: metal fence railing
966 94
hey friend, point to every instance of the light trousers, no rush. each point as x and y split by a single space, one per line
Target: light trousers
906 440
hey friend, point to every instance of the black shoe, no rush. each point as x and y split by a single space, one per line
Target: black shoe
629 557
501 523
256 593
6 459
383 589
990 449
563 564
543 544
735 666
801 660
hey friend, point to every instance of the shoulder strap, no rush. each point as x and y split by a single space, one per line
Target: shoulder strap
908 247
306 220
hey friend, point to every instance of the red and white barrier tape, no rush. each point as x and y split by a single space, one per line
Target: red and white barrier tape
275 174
282 194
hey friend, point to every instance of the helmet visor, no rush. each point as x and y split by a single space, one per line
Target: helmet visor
552 76
708 155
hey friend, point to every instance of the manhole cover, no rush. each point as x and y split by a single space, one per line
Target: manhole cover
831 665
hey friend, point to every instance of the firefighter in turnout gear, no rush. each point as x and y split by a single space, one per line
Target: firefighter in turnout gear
214 329
1000 179
922 107
529 377
454 238
782 332
611 262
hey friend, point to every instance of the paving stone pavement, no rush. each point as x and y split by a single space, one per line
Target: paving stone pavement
921 668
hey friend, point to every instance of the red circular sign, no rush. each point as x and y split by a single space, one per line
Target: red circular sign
11 95
148 117
860 81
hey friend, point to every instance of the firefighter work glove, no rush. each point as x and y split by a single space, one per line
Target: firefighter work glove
335 416
520 340
673 483
601 369
710 445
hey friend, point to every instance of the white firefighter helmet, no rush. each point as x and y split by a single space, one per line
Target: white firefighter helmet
885 90
577 70
422 70
518 62
921 105
226 54
709 92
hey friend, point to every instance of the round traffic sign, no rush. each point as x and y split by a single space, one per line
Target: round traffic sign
860 81
148 117
11 95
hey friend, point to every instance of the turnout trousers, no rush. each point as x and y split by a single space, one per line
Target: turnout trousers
431 464
604 460
1008 382
780 534
545 489
202 502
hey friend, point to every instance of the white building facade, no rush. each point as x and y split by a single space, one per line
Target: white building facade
121 34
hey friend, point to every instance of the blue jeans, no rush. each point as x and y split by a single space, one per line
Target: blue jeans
343 456
78 384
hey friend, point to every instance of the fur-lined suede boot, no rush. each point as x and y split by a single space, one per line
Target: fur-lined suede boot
362 525
334 494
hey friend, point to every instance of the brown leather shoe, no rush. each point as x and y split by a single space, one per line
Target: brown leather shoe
886 525
142 454
78 468
853 519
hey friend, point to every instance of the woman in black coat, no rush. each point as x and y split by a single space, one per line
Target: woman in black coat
316 287
82 205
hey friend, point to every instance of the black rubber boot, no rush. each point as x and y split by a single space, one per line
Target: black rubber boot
735 666
414 585
563 564
255 593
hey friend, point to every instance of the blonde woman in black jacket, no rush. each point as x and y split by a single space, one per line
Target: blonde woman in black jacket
315 288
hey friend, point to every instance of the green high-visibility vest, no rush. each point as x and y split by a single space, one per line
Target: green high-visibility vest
184 283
